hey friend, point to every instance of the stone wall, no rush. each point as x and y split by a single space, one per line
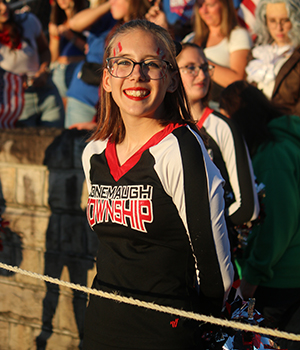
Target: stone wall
43 196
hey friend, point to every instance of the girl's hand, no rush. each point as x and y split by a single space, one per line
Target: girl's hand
41 77
157 16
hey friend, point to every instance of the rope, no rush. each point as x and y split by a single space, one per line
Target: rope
155 307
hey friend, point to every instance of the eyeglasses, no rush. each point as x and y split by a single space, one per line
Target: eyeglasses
154 69
194 70
273 22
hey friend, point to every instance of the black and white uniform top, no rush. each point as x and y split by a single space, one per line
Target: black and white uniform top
163 239
229 152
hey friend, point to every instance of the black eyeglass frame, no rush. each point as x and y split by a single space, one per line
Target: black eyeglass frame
208 67
169 65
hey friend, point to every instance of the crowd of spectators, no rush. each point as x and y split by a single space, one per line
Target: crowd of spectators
60 76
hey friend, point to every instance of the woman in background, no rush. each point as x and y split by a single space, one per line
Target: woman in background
275 68
271 264
226 146
225 44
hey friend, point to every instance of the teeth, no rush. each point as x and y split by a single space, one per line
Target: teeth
137 93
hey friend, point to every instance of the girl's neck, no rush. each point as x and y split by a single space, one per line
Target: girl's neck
138 132
197 108
69 13
215 31
282 44
215 36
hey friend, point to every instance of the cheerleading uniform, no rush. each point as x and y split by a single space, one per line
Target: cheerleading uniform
163 239
229 152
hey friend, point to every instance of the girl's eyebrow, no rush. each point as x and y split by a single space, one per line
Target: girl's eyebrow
145 57
190 64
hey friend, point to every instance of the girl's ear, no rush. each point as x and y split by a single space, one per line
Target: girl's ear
106 81
173 82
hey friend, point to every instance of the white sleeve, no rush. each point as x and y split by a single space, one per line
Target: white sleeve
183 184
93 147
239 40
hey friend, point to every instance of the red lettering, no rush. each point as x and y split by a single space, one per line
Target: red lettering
136 215
90 211
109 211
138 211
144 212
118 211
99 210
128 213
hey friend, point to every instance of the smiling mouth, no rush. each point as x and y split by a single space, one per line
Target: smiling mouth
137 93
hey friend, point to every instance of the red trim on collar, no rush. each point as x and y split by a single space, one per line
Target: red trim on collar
118 171
204 116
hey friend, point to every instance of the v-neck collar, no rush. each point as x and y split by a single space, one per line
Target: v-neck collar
117 170
204 116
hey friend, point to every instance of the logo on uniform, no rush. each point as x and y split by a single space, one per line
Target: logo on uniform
127 205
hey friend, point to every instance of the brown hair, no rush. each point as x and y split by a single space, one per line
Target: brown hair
228 22
58 16
184 46
138 9
110 121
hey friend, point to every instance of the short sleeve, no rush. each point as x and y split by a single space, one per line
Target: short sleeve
32 26
239 40
35 25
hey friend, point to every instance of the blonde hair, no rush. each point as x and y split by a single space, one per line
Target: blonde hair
176 106
228 22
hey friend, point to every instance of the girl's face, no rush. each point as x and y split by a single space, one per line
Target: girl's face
4 12
120 9
196 84
278 23
65 4
211 12
137 95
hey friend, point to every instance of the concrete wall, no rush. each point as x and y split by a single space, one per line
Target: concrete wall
43 196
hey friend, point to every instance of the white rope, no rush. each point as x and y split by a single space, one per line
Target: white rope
152 306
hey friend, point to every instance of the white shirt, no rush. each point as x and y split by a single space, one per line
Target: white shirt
219 54
239 39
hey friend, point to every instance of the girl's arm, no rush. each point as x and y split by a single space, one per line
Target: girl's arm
41 76
85 18
239 168
196 188
53 41
239 45
225 76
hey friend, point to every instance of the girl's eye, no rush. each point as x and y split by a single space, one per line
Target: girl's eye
191 68
152 64
123 63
